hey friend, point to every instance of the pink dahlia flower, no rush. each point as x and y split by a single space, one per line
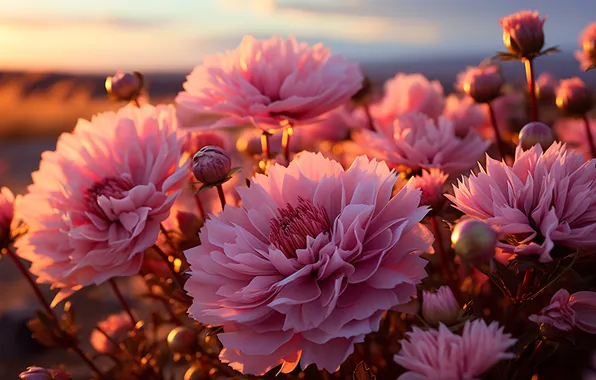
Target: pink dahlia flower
587 40
567 311
443 355
440 307
417 142
309 263
523 33
573 132
406 93
544 198
431 183
465 114
96 202
6 215
116 326
268 82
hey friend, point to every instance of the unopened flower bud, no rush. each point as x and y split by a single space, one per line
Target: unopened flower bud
196 372
523 33
124 86
440 307
546 86
482 83
536 133
211 164
182 340
474 241
39 373
573 97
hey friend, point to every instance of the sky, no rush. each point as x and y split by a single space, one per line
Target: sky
174 35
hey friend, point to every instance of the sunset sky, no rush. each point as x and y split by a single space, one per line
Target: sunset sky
158 35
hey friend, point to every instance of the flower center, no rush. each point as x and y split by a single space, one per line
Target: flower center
290 229
110 187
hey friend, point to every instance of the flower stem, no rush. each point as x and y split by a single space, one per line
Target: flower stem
369 118
531 87
87 360
590 137
265 145
199 205
167 235
21 267
285 141
443 259
75 348
177 277
493 120
122 301
135 103
222 196
165 303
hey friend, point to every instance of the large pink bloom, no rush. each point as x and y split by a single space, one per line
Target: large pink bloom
406 93
416 141
543 199
567 311
443 355
306 267
587 40
96 202
268 82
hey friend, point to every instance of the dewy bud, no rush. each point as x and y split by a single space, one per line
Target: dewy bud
483 83
124 86
536 133
474 241
182 340
211 164
39 373
573 97
440 307
523 33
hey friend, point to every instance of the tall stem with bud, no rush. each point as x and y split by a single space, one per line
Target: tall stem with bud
529 63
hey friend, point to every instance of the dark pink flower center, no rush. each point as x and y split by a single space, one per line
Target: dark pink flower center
110 187
294 224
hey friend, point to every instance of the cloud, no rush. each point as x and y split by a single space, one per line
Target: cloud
86 21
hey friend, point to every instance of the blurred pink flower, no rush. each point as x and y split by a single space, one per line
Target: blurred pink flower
573 132
510 113
309 263
197 140
268 82
6 215
440 307
543 199
523 33
96 202
406 93
39 373
431 183
482 83
417 142
546 85
465 114
116 326
567 311
443 355
573 97
587 40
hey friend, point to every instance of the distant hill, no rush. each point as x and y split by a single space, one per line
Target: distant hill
45 104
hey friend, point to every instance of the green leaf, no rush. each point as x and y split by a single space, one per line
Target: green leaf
591 67
362 372
234 171
550 50
505 57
